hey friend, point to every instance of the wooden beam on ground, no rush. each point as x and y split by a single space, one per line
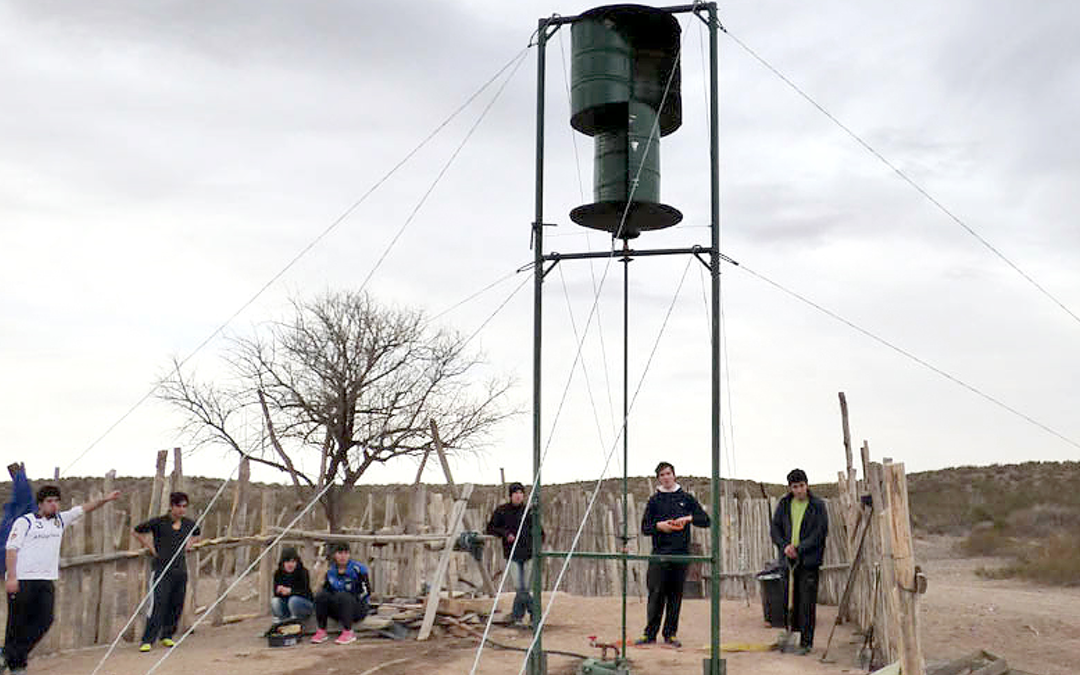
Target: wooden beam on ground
905 588
485 574
444 563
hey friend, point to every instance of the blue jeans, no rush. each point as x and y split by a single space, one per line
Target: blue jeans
292 607
521 575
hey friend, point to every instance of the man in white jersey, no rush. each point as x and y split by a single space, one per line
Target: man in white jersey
33 563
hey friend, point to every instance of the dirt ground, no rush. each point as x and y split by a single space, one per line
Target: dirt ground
1035 628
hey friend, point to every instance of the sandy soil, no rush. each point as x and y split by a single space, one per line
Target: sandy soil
1035 628
238 650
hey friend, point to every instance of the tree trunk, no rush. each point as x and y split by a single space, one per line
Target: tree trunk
331 502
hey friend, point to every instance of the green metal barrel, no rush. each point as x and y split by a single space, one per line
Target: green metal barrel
625 92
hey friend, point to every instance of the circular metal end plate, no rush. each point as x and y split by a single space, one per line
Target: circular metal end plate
640 217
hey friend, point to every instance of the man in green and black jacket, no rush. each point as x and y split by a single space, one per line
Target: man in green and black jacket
800 526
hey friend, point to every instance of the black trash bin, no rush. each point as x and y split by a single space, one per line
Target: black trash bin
773 602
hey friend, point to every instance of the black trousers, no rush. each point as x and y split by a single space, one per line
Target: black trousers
805 604
30 613
665 582
168 605
342 605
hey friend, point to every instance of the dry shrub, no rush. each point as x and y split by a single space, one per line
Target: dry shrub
1044 521
985 541
1057 561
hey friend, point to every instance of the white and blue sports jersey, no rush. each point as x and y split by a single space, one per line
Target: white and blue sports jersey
37 541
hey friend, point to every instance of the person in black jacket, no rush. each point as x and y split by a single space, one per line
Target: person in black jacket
292 588
173 534
505 524
666 517
799 529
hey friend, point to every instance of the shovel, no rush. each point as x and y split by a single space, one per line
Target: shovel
786 644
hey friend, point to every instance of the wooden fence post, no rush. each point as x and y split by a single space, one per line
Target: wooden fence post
108 577
268 562
136 569
176 483
159 483
228 557
905 585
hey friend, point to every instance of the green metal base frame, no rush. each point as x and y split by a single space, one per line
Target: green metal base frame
598 667
706 667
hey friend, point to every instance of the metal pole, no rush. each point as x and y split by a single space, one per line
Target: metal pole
715 665
536 660
626 434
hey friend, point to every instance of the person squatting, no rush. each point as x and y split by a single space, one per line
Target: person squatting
344 596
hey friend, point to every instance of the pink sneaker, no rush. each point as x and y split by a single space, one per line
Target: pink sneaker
345 638
319 637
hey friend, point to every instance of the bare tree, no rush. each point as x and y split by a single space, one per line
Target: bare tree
344 383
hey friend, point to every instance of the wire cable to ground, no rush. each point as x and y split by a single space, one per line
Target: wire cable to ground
240 577
654 131
446 166
903 176
304 251
588 243
600 481
208 611
909 355
584 369
182 547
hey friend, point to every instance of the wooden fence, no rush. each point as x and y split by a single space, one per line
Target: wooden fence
403 532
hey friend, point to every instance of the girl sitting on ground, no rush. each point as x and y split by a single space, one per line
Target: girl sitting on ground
292 589
344 596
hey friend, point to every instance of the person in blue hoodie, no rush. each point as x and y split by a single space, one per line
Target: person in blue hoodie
344 596
666 517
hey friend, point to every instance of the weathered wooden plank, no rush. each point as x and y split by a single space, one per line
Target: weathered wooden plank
905 584
156 506
444 563
268 562
108 576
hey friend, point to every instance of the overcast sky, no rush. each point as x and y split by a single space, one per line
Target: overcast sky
160 162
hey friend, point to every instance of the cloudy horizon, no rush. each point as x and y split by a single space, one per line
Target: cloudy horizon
160 163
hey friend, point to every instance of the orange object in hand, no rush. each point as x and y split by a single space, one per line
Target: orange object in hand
676 525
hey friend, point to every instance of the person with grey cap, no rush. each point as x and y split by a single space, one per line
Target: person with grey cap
799 529
513 526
